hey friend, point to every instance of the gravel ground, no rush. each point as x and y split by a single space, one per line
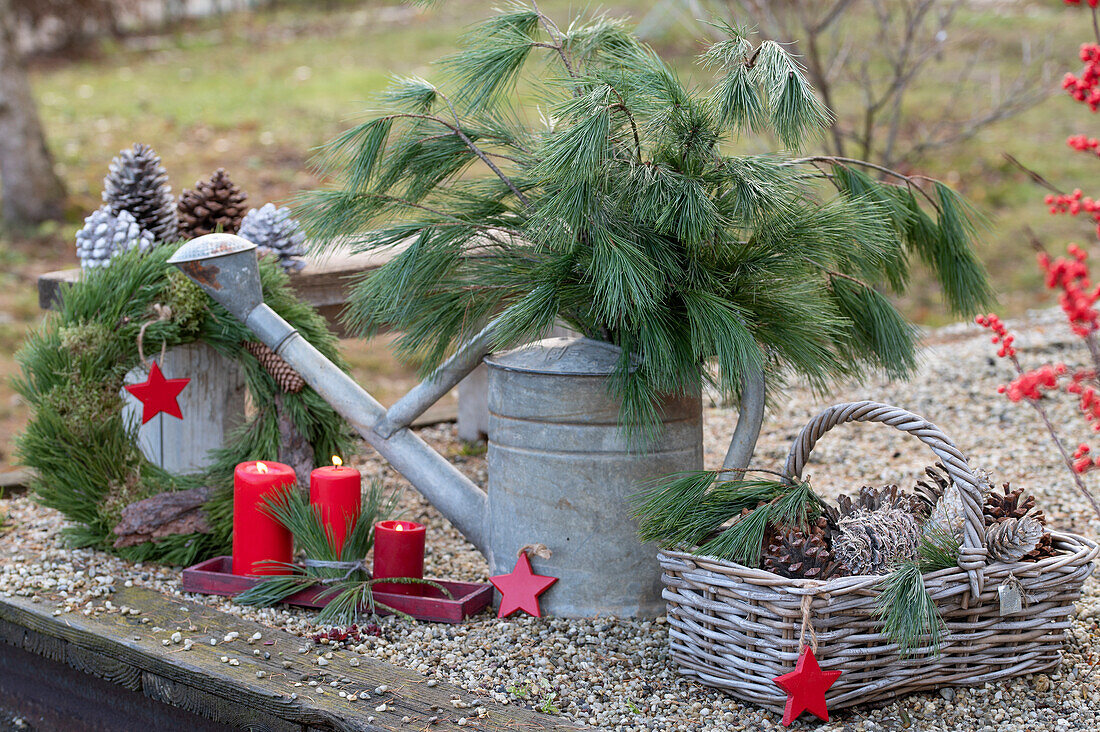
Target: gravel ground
615 674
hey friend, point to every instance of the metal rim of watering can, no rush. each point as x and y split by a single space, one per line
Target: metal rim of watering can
548 356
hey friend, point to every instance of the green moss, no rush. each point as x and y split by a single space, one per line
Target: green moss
84 338
189 304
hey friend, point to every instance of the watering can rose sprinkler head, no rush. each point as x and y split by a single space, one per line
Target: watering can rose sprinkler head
226 268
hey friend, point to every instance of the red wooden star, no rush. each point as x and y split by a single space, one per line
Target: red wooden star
520 590
806 687
158 394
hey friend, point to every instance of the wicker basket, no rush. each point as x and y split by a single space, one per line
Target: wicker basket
736 628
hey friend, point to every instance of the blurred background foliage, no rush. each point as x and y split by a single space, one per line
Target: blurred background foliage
256 86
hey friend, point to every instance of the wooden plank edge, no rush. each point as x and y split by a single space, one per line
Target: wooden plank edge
123 649
15 481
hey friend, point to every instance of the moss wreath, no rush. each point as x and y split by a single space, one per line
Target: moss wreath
85 454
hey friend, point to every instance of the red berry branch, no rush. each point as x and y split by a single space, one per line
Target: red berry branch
1077 295
1034 386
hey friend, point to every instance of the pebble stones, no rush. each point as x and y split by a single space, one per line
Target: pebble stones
609 673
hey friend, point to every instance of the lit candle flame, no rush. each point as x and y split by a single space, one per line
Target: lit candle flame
399 527
261 467
337 461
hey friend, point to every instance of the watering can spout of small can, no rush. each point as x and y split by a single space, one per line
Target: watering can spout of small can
225 266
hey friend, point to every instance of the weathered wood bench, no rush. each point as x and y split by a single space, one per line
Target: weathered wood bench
324 282
112 671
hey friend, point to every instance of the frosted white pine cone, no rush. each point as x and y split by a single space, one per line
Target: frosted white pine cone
105 235
273 231
949 513
137 182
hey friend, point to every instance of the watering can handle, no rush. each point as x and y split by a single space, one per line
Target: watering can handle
441 381
749 419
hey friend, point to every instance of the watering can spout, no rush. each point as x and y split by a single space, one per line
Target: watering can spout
225 267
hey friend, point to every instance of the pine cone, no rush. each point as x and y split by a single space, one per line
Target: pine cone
286 377
273 232
137 182
105 235
1013 538
929 491
791 552
872 499
216 204
949 513
1010 504
870 542
1043 550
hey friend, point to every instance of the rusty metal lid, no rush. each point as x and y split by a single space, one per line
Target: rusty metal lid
210 246
573 356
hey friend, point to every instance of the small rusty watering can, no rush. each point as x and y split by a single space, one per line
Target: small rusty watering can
560 471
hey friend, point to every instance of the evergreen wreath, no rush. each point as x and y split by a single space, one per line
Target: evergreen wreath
86 456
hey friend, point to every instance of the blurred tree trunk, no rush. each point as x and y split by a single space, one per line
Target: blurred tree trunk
31 191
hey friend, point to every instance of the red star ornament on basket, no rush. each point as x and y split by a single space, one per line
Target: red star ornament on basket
158 394
520 590
806 687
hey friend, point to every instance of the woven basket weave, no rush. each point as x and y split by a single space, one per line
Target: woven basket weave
737 628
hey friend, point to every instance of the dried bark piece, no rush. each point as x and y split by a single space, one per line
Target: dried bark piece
162 515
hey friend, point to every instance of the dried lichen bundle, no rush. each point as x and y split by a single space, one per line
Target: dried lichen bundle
870 542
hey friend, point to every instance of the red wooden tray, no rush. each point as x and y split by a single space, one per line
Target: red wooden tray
215 577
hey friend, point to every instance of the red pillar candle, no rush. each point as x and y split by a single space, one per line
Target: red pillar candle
398 552
336 490
257 537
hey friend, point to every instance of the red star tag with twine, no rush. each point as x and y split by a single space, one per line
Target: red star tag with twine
806 687
158 394
520 590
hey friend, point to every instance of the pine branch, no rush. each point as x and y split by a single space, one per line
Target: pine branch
908 613
938 549
314 538
689 510
633 226
370 129
558 45
276 589
347 599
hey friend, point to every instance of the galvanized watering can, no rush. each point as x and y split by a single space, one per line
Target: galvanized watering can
560 472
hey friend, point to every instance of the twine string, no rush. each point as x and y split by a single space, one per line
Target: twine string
539 550
1012 582
161 313
351 567
807 625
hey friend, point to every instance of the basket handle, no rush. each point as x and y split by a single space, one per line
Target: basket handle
973 553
